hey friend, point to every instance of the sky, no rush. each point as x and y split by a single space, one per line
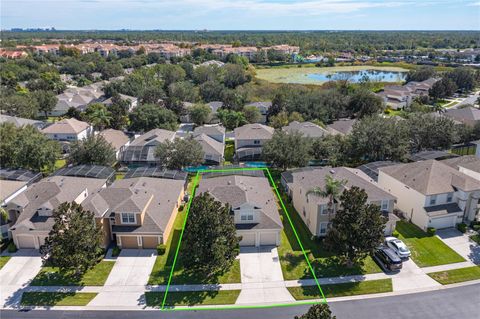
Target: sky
241 14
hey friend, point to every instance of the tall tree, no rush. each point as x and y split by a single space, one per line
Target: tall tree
21 105
93 150
46 101
234 75
73 244
149 116
231 119
200 114
252 114
210 243
428 132
287 150
180 153
364 102
333 189
98 115
318 311
442 89
357 228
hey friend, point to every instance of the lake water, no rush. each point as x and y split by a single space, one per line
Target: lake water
357 76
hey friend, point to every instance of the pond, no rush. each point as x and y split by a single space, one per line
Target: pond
358 76
320 75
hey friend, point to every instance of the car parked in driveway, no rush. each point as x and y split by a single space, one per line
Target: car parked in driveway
387 259
398 246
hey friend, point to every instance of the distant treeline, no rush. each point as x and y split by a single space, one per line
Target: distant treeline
365 42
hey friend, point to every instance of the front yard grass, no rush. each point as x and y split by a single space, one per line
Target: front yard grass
3 260
52 276
456 275
426 250
190 298
57 298
324 263
343 289
163 264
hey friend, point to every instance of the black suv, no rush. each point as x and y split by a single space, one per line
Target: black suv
387 259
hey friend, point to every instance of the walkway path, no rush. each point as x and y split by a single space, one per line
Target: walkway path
461 243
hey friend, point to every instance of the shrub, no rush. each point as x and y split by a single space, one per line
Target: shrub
11 247
116 251
181 207
476 228
431 231
161 249
462 227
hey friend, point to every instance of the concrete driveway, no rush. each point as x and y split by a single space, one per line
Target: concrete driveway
126 283
461 244
17 273
261 276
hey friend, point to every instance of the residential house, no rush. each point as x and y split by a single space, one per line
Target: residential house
34 207
249 141
263 107
431 193
401 96
132 101
137 212
308 129
341 126
216 131
314 209
253 207
8 191
213 149
469 165
117 139
78 98
142 149
214 107
68 130
468 115
19 122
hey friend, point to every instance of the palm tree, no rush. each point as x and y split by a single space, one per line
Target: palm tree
98 116
332 191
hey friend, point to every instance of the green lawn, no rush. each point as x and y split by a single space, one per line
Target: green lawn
325 264
344 289
190 298
57 298
456 275
3 260
161 269
426 250
52 276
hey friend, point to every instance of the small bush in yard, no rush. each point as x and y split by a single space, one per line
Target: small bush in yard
12 248
161 249
431 231
476 227
116 251
462 227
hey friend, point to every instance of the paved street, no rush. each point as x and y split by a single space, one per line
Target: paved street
461 302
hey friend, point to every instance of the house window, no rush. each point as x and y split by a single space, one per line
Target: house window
245 217
449 197
256 142
384 204
433 199
128 218
323 228
304 213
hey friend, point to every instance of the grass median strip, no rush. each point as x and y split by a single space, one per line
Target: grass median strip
57 298
456 275
52 276
426 250
3 260
343 289
191 298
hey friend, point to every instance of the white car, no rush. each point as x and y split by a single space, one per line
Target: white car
398 246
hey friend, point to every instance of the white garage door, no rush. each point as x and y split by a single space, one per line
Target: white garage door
26 242
248 239
443 222
268 239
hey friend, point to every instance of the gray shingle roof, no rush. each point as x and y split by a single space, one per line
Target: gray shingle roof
308 129
236 190
470 162
431 177
341 126
19 121
142 149
254 131
115 137
209 145
66 126
465 115
209 130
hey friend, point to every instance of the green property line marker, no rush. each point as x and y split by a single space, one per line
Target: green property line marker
195 182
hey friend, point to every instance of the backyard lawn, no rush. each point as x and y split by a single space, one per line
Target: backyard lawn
343 289
52 276
57 298
456 275
161 269
229 151
426 250
190 298
324 263
3 260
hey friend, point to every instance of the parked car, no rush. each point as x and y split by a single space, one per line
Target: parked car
387 259
398 246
